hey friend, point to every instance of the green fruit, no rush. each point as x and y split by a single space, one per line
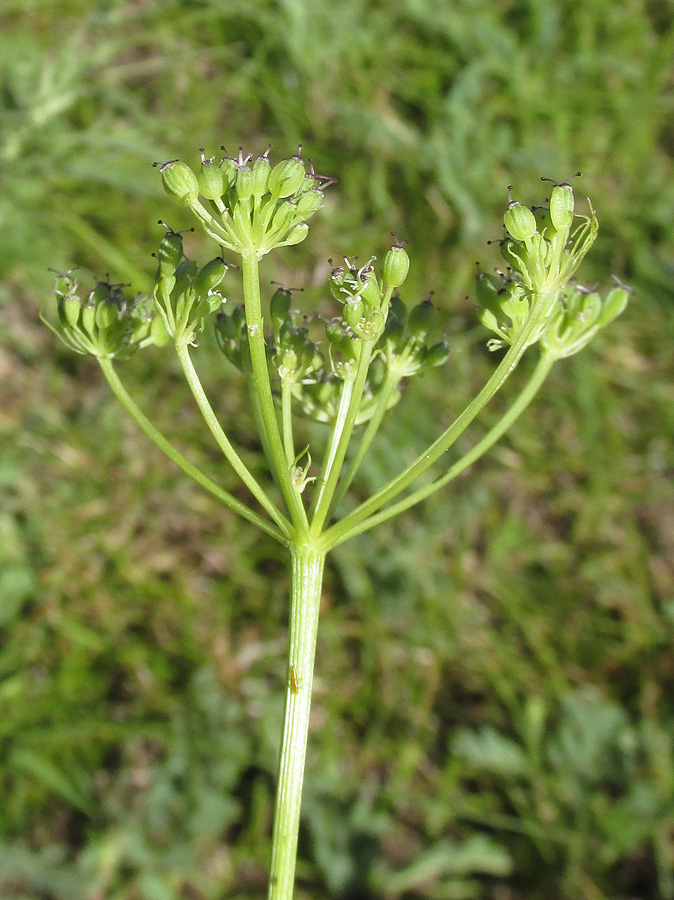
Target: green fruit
279 306
244 183
561 206
396 266
180 182
170 251
286 177
212 180
261 170
209 277
519 221
421 319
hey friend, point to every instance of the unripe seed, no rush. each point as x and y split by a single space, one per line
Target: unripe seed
353 313
347 347
393 331
101 292
289 361
180 182
244 183
543 220
170 251
285 333
71 307
371 294
421 319
437 354
486 290
212 183
561 206
88 318
261 170
286 177
337 283
228 168
210 276
310 358
106 314
396 266
589 310
279 307
519 221
239 319
297 339
283 217
397 309
309 203
225 327
614 303
185 275
309 183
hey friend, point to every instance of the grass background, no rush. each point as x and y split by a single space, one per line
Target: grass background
493 713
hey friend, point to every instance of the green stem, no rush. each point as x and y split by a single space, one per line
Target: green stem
391 382
539 375
328 491
331 448
176 457
260 374
458 426
305 598
287 420
259 425
223 441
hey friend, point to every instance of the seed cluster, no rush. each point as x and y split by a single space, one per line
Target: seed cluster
184 294
543 247
251 205
316 369
106 323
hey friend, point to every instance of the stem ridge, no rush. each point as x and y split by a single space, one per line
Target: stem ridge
306 579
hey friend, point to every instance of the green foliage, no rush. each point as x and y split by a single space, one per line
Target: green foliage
590 777
521 625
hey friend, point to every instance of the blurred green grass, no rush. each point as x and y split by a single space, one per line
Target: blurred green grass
493 714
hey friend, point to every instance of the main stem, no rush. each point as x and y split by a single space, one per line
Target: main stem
306 579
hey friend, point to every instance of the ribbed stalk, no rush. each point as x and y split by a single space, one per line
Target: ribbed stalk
175 456
513 412
305 597
260 375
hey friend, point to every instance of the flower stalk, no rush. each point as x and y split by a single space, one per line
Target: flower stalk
348 376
